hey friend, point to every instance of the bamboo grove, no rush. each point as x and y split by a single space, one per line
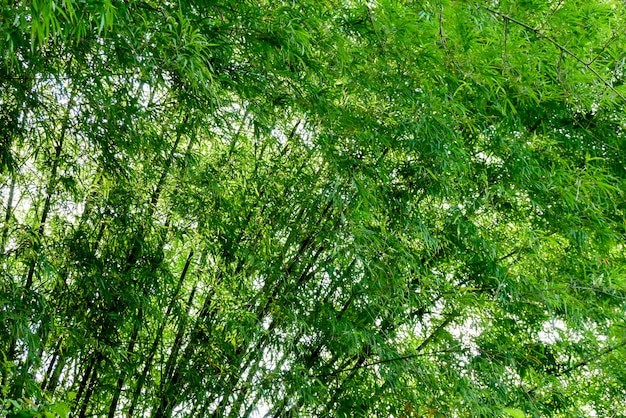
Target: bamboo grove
312 208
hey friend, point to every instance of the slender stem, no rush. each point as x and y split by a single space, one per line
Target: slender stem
50 188
7 215
90 385
129 351
52 366
169 397
84 381
158 337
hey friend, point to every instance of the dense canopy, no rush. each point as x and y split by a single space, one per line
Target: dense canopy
312 208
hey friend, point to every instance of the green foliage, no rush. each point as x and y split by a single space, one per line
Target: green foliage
312 208
515 413
26 407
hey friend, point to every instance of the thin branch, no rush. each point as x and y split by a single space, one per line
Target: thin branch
605 46
417 353
442 37
566 371
562 48
371 19
512 253
588 360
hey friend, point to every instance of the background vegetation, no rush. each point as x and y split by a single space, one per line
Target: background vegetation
313 208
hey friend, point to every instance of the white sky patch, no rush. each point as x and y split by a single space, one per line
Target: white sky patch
589 411
466 333
556 330
488 159
261 410
551 331
299 131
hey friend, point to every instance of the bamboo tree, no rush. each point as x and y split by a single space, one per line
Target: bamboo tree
7 216
383 209
159 335
167 400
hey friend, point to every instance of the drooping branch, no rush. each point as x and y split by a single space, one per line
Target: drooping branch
590 359
563 49
418 351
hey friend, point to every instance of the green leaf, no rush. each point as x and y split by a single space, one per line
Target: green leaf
515 413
